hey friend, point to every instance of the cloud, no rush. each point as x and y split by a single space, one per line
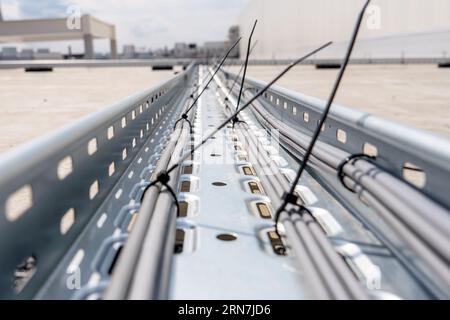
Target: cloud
162 22
36 9
11 9
154 25
145 23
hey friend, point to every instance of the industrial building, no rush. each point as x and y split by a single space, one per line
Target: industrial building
392 29
35 30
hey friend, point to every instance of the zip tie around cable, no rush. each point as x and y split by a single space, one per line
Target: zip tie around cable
184 117
245 66
324 116
163 178
353 158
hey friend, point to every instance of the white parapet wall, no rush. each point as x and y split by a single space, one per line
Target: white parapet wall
392 28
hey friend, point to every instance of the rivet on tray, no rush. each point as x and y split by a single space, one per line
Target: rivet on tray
226 237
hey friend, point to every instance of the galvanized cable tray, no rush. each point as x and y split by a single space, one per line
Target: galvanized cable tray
366 257
284 108
56 188
76 195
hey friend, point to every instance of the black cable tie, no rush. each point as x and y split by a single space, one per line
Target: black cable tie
291 198
184 117
326 111
175 199
175 125
277 222
353 158
163 178
237 120
305 209
246 65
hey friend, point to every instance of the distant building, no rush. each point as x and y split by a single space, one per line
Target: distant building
9 53
163 53
185 50
36 30
102 56
180 50
43 50
129 51
233 35
46 54
214 48
391 29
144 55
27 54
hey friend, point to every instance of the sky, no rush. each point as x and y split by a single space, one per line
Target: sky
144 23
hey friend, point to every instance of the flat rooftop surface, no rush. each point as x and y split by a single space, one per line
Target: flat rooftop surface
33 104
415 95
36 103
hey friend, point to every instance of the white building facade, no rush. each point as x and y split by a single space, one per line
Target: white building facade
391 29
